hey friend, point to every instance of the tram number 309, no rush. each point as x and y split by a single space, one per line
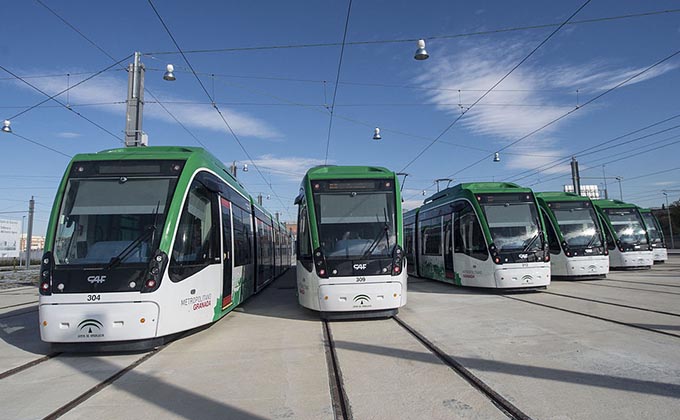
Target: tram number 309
93 298
361 279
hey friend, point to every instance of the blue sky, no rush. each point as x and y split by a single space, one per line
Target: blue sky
277 99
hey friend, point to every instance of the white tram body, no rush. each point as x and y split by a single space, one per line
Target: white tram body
626 235
350 263
486 235
145 243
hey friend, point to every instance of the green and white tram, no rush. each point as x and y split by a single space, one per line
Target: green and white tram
625 234
349 250
485 234
659 251
575 236
147 242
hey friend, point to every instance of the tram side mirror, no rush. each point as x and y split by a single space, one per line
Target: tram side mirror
298 200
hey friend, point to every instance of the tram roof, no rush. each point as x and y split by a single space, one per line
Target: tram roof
351 172
560 196
476 188
149 152
613 204
198 155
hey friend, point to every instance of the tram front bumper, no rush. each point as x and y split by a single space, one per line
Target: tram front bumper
587 266
364 297
100 322
660 254
533 275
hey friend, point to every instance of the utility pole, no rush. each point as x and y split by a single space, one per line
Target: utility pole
135 104
23 222
259 199
232 168
604 177
670 222
618 178
29 231
575 177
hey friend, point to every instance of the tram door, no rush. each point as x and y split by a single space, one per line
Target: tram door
448 245
227 255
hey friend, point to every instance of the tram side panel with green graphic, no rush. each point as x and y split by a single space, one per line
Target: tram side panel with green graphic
575 236
656 237
483 234
148 242
626 234
350 239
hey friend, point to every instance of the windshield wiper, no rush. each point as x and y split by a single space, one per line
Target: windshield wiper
131 247
376 240
539 234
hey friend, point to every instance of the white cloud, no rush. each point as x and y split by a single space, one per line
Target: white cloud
524 101
68 135
111 93
286 168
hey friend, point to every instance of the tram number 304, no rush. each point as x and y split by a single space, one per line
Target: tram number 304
93 298
361 279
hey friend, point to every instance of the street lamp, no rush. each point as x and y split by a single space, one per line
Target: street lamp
670 222
5 126
376 134
421 53
618 178
169 73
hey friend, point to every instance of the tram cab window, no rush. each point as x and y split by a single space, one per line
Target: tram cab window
468 237
197 239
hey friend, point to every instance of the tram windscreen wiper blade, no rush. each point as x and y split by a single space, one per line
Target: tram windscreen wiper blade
128 249
377 239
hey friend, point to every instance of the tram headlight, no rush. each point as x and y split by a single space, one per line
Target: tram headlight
155 271
320 263
46 274
397 260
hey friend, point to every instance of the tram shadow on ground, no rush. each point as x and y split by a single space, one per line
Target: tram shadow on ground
19 328
279 300
155 391
599 380
421 285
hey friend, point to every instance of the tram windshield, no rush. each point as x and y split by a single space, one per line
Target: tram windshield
513 222
355 218
627 225
111 220
578 223
653 229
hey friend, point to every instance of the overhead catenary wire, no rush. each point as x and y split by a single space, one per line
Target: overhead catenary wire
427 38
599 96
215 106
337 79
544 126
103 51
462 114
565 158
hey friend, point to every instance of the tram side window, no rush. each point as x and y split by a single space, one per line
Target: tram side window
197 240
553 242
408 240
242 237
468 235
432 236
304 247
608 235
